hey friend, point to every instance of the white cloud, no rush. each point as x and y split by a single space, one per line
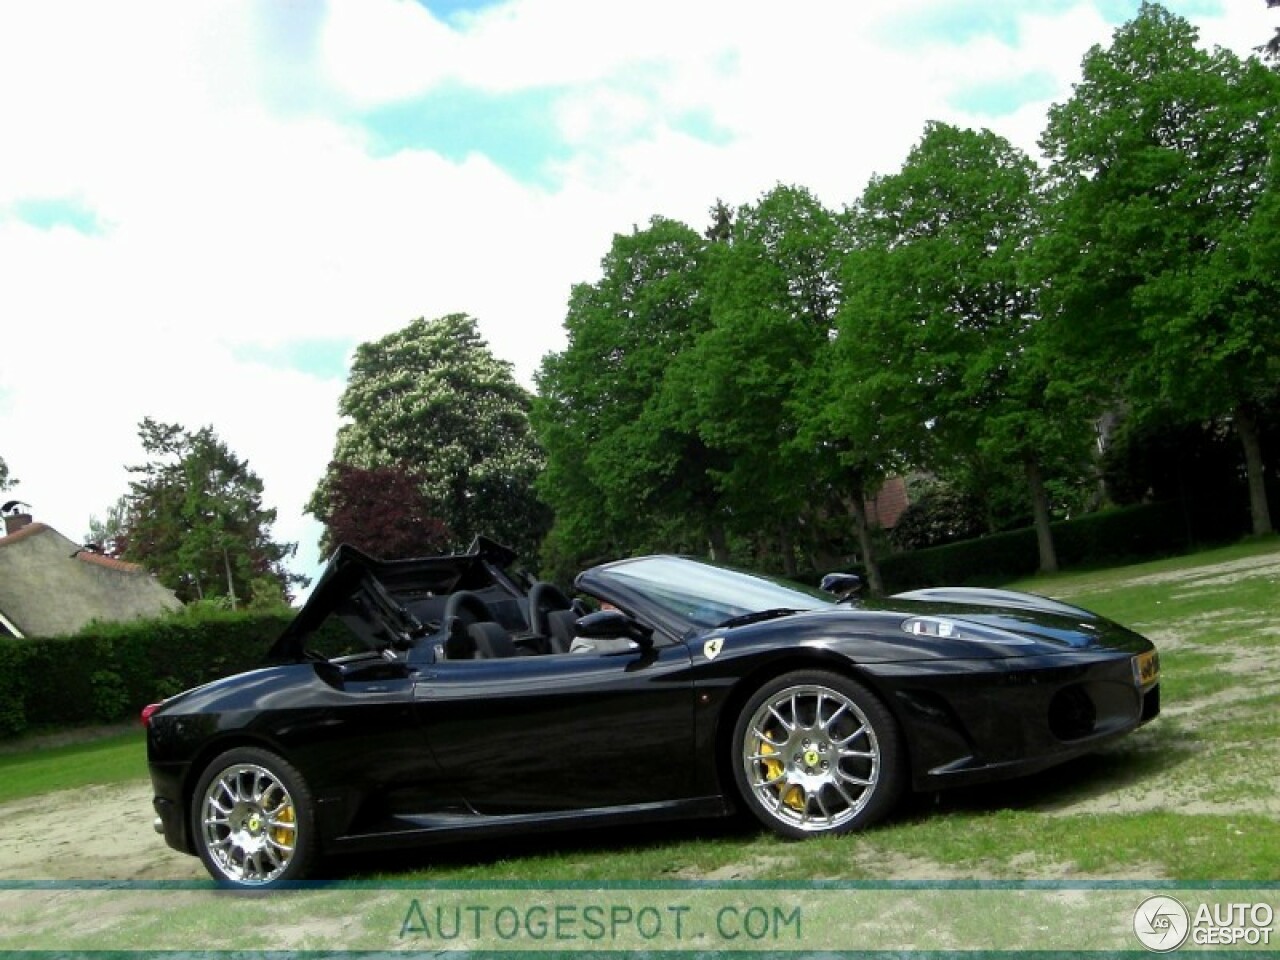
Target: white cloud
379 51
241 201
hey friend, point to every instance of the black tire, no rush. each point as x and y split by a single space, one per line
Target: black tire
253 820
815 753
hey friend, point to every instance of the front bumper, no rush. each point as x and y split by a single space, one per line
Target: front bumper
990 720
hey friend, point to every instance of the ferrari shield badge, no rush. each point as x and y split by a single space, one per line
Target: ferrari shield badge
712 648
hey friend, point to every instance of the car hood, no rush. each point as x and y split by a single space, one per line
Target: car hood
954 623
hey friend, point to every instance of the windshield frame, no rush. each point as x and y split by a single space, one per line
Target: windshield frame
684 597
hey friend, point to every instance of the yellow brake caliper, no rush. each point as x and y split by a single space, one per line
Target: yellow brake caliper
793 796
282 833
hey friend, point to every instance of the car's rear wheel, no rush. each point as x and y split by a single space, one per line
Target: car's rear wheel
253 819
817 753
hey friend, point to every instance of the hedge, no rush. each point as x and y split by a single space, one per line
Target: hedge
109 672
1109 536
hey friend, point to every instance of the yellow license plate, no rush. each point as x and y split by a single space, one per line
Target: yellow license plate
1146 668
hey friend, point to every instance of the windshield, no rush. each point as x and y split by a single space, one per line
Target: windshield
706 596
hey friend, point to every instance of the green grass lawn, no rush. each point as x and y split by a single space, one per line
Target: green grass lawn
1192 796
113 759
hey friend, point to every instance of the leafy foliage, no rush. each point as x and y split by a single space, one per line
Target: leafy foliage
46 681
622 473
773 290
939 328
942 514
382 511
194 517
1158 456
107 535
5 481
971 317
1271 49
13 687
1161 241
1123 533
433 399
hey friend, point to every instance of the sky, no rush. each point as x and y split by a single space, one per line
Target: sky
205 206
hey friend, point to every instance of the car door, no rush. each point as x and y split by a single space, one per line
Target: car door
567 731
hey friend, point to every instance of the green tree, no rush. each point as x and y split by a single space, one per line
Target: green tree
5 481
939 326
108 534
847 429
1160 249
1271 49
433 399
772 289
195 518
622 475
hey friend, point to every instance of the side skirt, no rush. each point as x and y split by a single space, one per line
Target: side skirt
443 828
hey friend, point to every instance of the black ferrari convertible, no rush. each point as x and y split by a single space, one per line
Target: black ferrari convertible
482 702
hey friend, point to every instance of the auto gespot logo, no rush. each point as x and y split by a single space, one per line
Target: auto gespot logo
1162 924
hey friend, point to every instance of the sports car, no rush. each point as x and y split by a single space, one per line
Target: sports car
482 702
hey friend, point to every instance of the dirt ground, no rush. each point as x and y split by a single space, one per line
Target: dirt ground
97 833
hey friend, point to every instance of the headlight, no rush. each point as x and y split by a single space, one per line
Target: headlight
945 629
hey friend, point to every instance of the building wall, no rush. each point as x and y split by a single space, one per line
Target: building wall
884 509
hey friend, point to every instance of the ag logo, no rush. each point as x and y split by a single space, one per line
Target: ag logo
712 648
1161 923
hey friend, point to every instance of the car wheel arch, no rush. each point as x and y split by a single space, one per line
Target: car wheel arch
747 686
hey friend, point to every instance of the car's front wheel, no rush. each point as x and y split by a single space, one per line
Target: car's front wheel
817 753
253 819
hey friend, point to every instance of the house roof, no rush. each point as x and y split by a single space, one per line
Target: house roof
111 563
50 586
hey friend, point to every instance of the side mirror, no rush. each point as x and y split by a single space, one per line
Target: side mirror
614 624
842 585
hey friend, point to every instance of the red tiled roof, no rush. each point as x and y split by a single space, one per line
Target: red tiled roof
30 530
111 563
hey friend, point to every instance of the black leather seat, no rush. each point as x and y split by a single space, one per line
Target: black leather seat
560 623
551 615
462 611
491 641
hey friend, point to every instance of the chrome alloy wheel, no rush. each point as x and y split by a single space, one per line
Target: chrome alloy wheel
811 757
249 824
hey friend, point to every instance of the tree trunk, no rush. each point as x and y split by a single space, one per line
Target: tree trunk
718 542
231 590
874 581
1040 509
1104 428
786 543
1247 429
